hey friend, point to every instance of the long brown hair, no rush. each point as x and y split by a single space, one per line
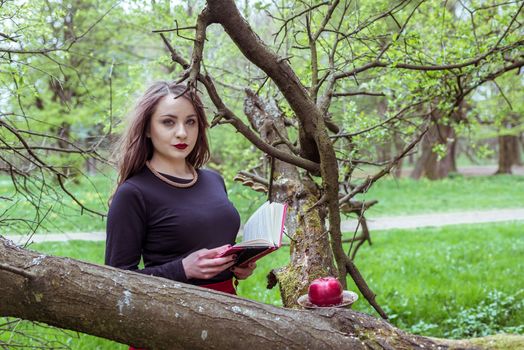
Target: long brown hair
134 148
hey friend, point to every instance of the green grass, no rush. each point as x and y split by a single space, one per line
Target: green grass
396 197
406 196
430 281
427 276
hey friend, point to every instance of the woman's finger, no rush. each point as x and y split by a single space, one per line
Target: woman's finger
230 259
219 268
218 250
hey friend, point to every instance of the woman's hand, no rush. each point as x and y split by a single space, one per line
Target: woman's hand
242 273
204 264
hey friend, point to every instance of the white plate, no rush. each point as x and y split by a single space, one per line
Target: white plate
348 298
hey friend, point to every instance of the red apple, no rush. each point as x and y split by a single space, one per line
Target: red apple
325 291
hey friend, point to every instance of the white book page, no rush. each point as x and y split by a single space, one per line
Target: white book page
265 223
254 227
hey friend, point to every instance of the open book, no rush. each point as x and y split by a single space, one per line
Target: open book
262 234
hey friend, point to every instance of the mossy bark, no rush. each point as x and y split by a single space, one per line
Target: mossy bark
311 254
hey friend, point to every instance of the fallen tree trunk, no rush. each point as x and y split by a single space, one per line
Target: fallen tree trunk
161 314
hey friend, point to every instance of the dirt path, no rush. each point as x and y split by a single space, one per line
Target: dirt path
382 223
477 170
439 219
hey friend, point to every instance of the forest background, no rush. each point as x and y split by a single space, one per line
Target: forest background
71 71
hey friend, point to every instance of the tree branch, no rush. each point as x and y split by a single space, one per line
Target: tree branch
509 26
364 186
326 19
175 315
287 20
399 114
17 271
357 93
231 118
226 13
82 207
28 148
474 61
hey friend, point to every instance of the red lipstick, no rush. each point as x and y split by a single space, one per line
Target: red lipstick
181 146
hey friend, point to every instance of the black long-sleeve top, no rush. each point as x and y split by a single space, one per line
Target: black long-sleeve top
152 219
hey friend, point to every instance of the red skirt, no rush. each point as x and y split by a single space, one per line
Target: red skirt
226 287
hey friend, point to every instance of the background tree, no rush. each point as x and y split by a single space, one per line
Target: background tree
497 114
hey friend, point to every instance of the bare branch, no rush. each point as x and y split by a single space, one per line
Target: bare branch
231 118
364 186
357 93
491 76
174 55
173 29
326 19
399 114
204 19
54 149
509 25
28 148
73 197
17 271
286 21
471 62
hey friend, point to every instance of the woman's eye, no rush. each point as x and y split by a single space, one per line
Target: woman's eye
167 122
191 122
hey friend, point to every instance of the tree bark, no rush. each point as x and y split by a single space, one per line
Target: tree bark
428 164
448 164
226 13
397 140
508 153
131 308
315 143
311 254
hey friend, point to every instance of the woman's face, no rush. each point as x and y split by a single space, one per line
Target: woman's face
173 129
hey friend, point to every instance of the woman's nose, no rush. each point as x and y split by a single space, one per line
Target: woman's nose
181 131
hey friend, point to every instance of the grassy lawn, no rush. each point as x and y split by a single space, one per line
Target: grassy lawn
455 281
435 281
406 196
396 197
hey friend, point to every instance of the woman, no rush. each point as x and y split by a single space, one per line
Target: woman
167 210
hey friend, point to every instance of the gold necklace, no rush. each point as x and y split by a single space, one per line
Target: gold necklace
173 183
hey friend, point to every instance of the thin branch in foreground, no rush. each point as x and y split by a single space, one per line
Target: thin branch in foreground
225 113
17 271
82 207
371 179
357 93
400 113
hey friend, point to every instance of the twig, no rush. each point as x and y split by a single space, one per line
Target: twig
356 93
83 207
371 179
400 113
225 112
17 271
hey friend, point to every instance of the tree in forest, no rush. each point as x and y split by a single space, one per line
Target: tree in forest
55 105
316 139
63 98
498 115
323 30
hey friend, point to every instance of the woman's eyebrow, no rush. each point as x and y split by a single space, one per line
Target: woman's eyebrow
176 117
